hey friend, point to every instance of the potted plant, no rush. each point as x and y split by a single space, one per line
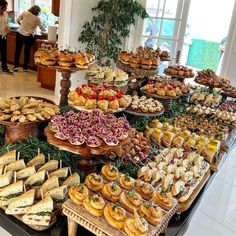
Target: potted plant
103 35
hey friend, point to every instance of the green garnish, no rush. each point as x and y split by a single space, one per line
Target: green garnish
163 192
44 213
115 206
113 187
146 205
38 183
13 195
113 168
97 178
24 206
81 188
131 193
93 198
127 177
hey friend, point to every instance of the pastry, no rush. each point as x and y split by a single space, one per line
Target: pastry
94 204
103 104
115 215
111 191
130 200
163 199
126 182
110 172
78 193
94 182
151 212
136 226
113 103
144 189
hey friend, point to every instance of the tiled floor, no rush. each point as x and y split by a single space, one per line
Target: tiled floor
216 214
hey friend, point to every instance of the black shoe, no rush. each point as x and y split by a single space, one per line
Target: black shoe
7 71
15 69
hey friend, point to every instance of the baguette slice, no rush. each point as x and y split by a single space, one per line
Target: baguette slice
37 179
38 160
58 195
61 173
9 193
21 204
51 183
25 173
50 166
72 180
40 213
6 178
16 165
8 157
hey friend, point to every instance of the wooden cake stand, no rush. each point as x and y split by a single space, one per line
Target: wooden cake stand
180 78
86 153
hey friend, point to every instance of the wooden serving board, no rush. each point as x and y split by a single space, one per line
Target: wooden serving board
185 205
35 227
83 150
99 225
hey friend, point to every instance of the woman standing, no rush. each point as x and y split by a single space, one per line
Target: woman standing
4 30
28 21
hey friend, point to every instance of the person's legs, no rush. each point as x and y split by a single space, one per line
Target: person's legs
28 44
3 48
19 44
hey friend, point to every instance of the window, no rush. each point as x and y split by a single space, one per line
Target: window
46 5
162 27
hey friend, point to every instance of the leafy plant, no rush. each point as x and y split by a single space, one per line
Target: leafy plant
104 34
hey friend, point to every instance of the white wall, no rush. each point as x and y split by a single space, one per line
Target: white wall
229 62
73 15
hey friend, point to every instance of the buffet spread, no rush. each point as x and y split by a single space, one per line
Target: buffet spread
116 161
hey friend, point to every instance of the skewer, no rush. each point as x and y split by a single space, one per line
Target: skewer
18 156
47 174
60 164
24 188
38 151
70 171
14 176
41 192
49 157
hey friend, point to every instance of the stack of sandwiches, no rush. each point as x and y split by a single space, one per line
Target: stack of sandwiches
35 189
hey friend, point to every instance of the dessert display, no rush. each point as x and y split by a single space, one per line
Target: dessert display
145 105
106 76
169 136
210 100
91 129
179 71
89 97
224 116
202 126
166 88
64 58
26 109
229 106
229 91
209 78
137 148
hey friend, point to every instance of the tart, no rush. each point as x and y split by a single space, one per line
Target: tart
94 182
144 189
151 212
110 172
163 199
126 182
115 215
130 200
78 194
111 191
94 204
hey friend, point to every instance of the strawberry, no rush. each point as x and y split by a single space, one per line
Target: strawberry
84 85
101 97
91 96
111 98
119 95
78 90
85 95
